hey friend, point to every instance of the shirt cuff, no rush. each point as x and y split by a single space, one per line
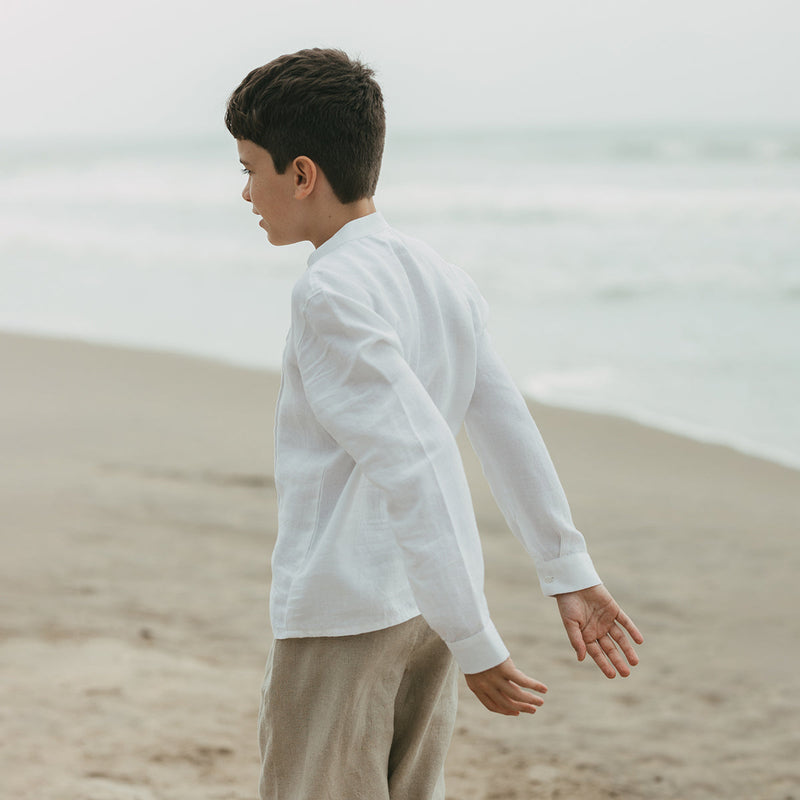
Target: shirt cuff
567 574
482 651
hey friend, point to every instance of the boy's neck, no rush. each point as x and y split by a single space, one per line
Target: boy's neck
336 216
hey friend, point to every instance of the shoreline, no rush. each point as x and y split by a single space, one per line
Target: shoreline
685 430
663 424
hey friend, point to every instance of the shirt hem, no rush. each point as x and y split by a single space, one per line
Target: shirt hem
349 629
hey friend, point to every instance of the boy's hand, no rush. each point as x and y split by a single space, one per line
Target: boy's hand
597 625
500 689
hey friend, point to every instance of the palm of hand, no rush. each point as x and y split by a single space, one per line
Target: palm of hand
597 625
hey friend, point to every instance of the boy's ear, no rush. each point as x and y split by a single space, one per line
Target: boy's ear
305 176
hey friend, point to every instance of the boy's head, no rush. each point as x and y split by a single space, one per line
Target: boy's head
320 104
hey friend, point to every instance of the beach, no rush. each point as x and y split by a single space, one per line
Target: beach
138 516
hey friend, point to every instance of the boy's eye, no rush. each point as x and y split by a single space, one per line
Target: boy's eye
245 171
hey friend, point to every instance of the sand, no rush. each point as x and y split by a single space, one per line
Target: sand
138 514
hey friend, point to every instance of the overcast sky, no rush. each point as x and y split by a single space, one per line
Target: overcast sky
149 66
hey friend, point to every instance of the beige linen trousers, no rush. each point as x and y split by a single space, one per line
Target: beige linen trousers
364 717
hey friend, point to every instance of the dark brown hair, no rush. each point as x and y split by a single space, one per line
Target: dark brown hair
320 104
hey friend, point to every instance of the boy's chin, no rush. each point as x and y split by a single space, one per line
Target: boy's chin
270 235
276 239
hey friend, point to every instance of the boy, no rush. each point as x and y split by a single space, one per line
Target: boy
377 573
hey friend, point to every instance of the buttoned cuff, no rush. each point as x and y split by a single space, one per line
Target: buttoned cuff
482 651
567 574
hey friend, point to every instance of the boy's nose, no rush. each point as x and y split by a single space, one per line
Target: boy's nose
246 192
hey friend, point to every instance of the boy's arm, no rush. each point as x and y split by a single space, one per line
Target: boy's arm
364 393
523 479
524 482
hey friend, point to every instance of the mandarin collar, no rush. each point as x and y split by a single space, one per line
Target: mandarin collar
355 229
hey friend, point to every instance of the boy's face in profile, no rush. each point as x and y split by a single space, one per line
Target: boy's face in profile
271 194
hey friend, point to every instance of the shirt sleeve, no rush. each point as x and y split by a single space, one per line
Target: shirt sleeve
523 479
364 393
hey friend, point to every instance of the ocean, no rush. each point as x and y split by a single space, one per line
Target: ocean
650 273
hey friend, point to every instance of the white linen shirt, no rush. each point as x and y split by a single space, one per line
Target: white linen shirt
387 356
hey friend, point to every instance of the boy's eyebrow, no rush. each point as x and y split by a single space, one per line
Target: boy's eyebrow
244 163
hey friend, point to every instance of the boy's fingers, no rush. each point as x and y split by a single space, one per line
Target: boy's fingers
504 689
528 698
489 703
521 679
614 655
515 702
575 636
515 685
497 709
627 623
507 698
502 705
599 657
519 695
618 635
